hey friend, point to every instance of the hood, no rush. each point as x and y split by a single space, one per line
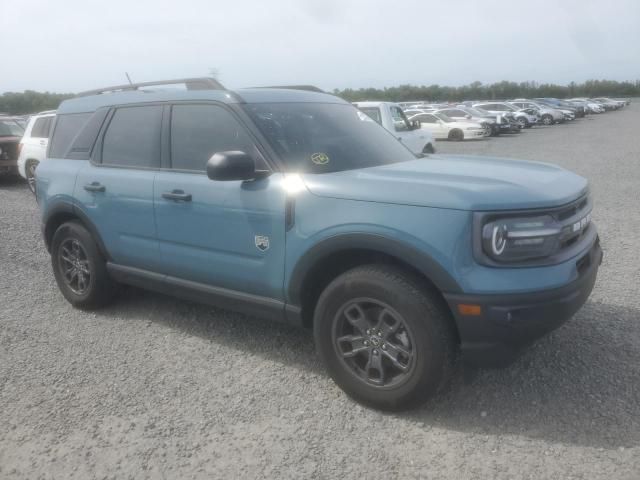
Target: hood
462 182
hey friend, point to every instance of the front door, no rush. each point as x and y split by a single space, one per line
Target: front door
227 234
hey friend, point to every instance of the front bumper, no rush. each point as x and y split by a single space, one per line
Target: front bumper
474 134
507 323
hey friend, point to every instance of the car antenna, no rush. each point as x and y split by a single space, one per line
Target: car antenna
128 78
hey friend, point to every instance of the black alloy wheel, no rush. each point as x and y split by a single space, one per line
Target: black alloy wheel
374 342
74 264
80 268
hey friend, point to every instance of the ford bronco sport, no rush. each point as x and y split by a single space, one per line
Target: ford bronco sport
293 205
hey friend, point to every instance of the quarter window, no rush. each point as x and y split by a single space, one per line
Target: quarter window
133 137
41 127
66 129
199 131
373 113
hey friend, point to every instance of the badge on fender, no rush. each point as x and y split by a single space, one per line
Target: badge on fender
262 242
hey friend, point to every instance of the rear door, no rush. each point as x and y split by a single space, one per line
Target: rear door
115 189
228 234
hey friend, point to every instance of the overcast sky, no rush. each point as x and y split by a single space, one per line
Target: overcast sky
73 45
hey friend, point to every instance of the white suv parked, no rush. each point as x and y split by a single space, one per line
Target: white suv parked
391 117
33 146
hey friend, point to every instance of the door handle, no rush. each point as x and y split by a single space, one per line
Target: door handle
94 187
177 195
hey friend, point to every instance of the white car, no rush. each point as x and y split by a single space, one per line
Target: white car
548 115
391 117
33 146
593 107
444 127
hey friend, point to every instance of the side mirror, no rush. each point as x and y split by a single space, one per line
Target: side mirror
233 165
415 125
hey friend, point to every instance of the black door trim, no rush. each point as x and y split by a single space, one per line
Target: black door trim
247 303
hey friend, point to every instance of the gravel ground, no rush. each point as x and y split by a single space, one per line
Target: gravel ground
153 387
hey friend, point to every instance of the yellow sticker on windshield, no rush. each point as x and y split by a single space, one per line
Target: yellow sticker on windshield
320 158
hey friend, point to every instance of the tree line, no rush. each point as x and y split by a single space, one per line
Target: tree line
29 101
494 91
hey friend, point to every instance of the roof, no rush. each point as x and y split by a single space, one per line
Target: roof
90 103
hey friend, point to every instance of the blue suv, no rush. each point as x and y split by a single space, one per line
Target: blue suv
294 205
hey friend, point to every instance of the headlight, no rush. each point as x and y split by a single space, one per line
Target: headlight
517 239
532 238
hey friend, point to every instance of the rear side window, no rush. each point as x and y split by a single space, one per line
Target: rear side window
66 129
199 131
132 138
426 118
41 127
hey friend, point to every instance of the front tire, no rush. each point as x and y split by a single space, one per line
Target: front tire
547 119
79 267
456 135
428 148
385 337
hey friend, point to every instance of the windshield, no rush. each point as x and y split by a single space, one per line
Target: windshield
325 137
9 128
478 111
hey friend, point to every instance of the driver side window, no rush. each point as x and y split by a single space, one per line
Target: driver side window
400 122
199 131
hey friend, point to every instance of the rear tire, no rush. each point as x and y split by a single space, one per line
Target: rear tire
79 267
386 338
30 174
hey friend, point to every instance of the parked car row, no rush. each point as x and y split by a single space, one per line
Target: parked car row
419 124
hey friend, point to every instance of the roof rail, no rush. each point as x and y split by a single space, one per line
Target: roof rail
308 88
202 83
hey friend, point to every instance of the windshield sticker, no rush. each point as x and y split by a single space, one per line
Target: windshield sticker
320 158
